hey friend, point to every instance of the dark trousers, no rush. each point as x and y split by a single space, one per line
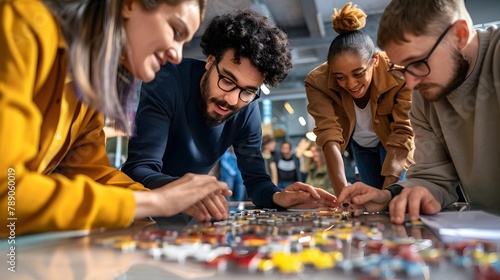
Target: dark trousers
369 162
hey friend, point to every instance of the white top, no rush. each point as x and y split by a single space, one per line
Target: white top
363 132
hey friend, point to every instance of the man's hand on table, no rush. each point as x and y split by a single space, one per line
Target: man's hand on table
300 195
415 200
214 205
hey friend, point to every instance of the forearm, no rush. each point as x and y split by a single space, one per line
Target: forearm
394 162
400 142
335 166
145 204
149 178
434 169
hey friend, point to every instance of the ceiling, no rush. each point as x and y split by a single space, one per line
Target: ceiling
307 23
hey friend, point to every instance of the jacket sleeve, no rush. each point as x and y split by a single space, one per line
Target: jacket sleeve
433 168
320 106
399 144
40 202
152 127
88 156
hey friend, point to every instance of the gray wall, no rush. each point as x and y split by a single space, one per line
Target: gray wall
483 11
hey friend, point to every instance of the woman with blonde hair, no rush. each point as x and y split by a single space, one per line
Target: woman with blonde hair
65 65
355 100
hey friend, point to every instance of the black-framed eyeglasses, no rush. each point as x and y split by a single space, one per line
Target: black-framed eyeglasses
228 85
419 68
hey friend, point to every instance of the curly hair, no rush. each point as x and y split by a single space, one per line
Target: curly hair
349 18
252 36
348 22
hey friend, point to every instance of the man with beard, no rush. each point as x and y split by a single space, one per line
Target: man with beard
454 72
192 112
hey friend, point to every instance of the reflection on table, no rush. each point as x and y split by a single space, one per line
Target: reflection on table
87 257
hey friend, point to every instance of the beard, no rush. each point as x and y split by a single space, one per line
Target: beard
215 119
459 76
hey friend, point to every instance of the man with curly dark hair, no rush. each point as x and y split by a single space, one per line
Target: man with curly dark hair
252 36
192 112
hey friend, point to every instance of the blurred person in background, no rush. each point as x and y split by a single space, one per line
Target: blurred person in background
317 174
268 153
230 174
288 166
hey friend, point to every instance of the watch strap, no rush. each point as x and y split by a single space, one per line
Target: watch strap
394 189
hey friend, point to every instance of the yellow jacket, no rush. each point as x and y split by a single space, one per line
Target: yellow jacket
54 171
333 111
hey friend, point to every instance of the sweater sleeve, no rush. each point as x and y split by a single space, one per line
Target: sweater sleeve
152 128
259 186
40 202
433 168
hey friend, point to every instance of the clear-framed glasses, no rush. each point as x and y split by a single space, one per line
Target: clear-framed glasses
419 68
228 85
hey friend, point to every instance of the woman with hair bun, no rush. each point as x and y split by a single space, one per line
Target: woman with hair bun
355 101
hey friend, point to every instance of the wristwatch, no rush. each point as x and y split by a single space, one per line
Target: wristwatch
394 189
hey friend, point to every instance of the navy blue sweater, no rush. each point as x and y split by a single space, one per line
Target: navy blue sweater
172 138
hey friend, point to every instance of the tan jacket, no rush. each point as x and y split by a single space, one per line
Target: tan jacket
333 111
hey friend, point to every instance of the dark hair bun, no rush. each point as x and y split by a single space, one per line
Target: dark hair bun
350 18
